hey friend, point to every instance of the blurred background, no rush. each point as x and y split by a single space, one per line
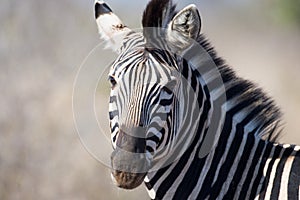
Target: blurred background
43 43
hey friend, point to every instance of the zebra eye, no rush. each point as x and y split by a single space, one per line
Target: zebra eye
112 81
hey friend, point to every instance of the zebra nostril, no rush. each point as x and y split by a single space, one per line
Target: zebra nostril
124 161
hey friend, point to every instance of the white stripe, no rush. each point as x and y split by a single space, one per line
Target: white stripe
297 148
283 193
155 132
264 171
152 193
267 166
151 144
271 180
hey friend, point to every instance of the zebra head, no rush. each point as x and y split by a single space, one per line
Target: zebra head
145 85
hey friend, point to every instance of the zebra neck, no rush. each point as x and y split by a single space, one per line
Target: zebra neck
281 172
243 162
229 171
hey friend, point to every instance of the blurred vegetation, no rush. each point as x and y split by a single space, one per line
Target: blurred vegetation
288 11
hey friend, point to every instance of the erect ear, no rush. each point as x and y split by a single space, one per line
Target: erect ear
184 27
110 27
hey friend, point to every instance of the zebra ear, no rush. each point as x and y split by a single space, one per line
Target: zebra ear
184 27
110 27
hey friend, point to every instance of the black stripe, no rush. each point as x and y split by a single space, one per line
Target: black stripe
270 167
238 175
170 133
229 161
260 175
194 82
149 149
166 102
154 91
163 133
156 177
206 108
206 188
279 173
182 162
236 90
170 179
153 138
225 168
185 70
294 179
112 114
144 90
112 99
250 174
114 128
189 181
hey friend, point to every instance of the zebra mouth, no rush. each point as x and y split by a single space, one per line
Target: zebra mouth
128 170
128 180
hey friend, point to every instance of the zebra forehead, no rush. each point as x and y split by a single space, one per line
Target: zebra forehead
140 60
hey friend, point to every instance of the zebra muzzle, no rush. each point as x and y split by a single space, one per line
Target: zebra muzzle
129 162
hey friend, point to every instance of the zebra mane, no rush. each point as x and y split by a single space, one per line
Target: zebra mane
156 17
158 13
268 114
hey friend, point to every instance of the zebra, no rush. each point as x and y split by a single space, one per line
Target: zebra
162 105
